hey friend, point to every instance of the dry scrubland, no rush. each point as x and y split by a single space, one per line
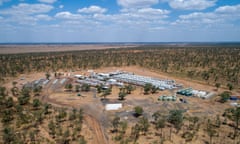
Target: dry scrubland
16 49
55 114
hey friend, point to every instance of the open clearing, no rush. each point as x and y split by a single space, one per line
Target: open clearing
16 49
99 120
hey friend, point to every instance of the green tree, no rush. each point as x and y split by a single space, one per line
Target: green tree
234 115
115 123
176 118
230 86
37 90
62 114
80 115
65 138
69 87
19 108
9 102
24 96
52 128
123 126
160 124
55 74
154 89
77 87
224 96
82 141
210 131
138 111
8 135
46 109
38 115
217 85
106 92
129 89
47 75
3 91
99 88
33 135
156 115
191 73
85 87
135 133
7 116
218 121
23 118
73 115
14 83
122 94
236 118
144 124
159 121
36 103
147 88
205 75
194 120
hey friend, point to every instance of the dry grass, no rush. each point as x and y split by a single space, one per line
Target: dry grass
15 49
97 117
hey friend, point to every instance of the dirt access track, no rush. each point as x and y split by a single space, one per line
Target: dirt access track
97 132
91 120
93 108
97 129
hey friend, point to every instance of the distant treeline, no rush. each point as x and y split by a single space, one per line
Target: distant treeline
213 64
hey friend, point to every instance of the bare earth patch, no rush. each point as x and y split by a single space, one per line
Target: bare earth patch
98 120
14 49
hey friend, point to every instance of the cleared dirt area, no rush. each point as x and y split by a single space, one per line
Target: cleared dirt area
14 49
98 120
97 129
150 73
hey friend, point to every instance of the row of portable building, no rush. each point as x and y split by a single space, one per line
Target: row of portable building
91 81
198 93
36 83
118 78
142 80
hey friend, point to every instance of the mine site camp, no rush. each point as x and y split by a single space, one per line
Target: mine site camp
120 72
109 93
110 104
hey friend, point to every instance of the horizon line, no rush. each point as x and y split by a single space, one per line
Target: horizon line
177 42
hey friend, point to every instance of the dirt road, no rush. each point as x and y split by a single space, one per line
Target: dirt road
91 122
98 132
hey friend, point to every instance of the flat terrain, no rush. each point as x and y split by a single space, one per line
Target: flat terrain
200 68
15 49
99 121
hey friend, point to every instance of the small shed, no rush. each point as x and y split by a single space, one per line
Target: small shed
79 76
167 98
115 106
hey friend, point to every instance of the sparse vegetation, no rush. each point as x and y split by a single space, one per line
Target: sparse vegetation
176 118
22 120
85 87
69 87
199 62
122 94
224 96
24 117
138 111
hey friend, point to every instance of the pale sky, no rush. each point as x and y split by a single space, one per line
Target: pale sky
119 20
